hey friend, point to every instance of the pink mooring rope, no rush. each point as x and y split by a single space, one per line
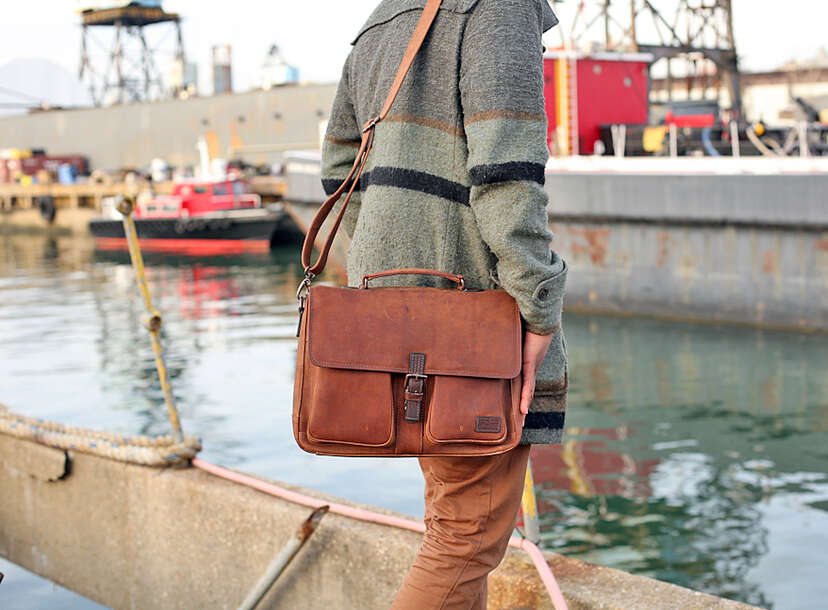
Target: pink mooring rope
531 549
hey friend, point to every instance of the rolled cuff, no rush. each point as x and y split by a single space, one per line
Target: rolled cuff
543 314
541 330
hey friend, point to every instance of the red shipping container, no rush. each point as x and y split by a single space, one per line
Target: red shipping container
607 88
31 165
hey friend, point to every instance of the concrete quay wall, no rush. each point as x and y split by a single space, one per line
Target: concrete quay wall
257 126
767 277
726 247
136 537
787 192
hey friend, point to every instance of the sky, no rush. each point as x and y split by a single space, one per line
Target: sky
315 34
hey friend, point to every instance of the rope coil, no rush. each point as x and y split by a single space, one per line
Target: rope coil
142 450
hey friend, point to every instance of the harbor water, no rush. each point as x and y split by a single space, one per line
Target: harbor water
695 454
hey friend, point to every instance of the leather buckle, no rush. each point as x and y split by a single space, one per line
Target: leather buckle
414 386
408 389
414 396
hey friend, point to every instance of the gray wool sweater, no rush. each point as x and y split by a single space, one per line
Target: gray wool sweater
455 178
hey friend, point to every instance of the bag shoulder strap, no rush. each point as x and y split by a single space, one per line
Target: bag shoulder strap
423 26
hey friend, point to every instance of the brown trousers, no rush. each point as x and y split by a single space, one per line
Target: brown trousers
471 508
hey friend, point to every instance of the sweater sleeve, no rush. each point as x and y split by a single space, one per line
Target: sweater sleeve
501 90
340 147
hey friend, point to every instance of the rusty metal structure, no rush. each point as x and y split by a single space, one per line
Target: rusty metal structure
127 70
689 35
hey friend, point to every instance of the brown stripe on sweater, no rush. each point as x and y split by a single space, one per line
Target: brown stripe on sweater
424 121
546 387
515 115
342 141
548 403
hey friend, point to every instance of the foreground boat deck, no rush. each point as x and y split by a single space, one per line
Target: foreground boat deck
138 537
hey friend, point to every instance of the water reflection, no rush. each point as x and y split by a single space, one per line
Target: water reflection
694 454
678 438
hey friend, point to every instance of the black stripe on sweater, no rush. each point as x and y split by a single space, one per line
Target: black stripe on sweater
418 181
506 172
329 185
447 189
551 419
407 179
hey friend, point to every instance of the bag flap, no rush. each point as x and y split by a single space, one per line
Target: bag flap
462 333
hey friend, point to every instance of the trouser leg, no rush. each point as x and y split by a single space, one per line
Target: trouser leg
471 508
480 602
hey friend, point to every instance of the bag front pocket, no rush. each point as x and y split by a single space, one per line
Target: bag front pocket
468 410
339 414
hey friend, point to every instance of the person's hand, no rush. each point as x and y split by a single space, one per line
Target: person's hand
534 351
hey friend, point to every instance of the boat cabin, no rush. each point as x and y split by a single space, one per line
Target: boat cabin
198 198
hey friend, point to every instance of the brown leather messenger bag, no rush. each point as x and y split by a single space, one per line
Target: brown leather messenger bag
405 371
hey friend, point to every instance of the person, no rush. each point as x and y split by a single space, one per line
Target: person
454 182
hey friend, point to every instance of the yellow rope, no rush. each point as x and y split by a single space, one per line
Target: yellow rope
144 450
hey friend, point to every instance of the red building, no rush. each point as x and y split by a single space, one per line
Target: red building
587 91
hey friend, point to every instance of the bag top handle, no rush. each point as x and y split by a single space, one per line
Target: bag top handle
420 31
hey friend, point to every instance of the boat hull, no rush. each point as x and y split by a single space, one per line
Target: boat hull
245 230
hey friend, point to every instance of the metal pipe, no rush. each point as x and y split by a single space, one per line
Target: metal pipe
673 140
734 139
283 559
619 139
754 139
803 139
707 143
153 320
622 130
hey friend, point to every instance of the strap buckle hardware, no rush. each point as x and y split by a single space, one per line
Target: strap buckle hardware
371 124
408 388
304 286
302 296
414 393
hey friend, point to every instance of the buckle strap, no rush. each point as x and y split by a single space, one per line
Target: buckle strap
415 386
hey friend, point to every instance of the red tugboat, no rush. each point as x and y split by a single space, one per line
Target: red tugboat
224 215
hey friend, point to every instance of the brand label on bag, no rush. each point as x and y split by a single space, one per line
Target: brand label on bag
488 425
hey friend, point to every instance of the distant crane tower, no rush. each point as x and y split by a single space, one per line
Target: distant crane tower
127 71
684 32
